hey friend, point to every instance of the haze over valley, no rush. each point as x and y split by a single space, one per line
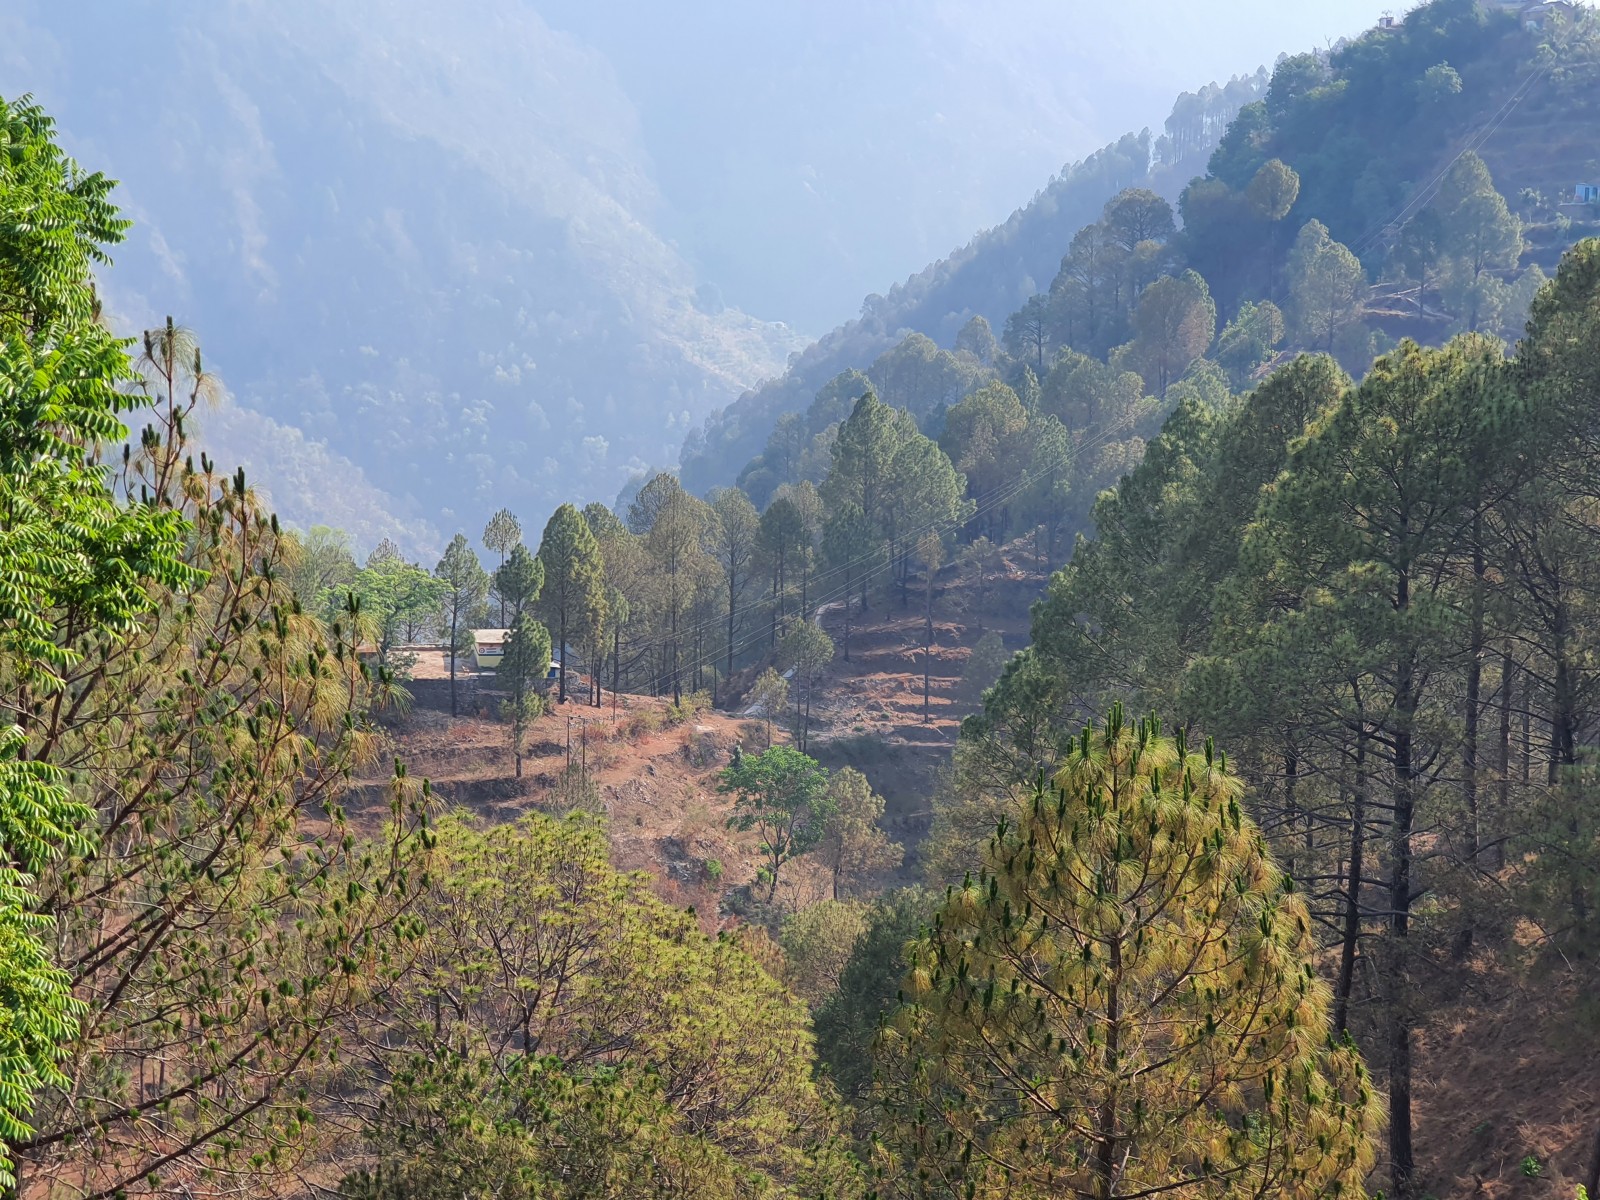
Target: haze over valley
449 258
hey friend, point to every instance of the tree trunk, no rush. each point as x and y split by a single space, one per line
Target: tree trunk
1402 1156
1352 901
1564 733
1527 729
1291 778
616 662
847 598
455 616
1469 741
563 685
1103 1162
677 661
733 602
1504 797
927 652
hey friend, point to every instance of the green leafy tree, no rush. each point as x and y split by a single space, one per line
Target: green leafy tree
736 533
1327 288
518 582
816 944
41 823
1274 190
395 600
1250 340
574 581
466 586
562 1033
502 533
323 568
782 795
1175 323
521 675
70 550
1130 961
854 848
1439 83
869 985
808 651
769 694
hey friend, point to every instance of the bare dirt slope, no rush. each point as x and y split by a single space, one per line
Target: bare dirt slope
656 781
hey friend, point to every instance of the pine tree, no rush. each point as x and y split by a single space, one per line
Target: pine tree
502 533
1122 1000
522 670
518 581
1327 288
672 524
853 848
808 650
466 585
1175 322
1366 530
735 533
574 582
781 541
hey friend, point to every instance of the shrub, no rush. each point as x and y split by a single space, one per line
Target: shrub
575 791
642 723
688 708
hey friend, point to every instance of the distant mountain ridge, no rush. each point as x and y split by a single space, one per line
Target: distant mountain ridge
491 317
991 276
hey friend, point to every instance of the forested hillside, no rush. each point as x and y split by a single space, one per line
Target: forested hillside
990 277
1274 853
1369 133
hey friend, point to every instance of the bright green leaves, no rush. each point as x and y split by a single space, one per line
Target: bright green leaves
55 223
783 795
39 822
565 1034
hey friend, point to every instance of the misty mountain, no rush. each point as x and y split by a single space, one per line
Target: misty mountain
427 246
504 253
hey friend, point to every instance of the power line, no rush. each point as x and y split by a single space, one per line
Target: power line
1425 194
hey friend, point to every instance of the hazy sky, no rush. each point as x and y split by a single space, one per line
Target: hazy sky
811 151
